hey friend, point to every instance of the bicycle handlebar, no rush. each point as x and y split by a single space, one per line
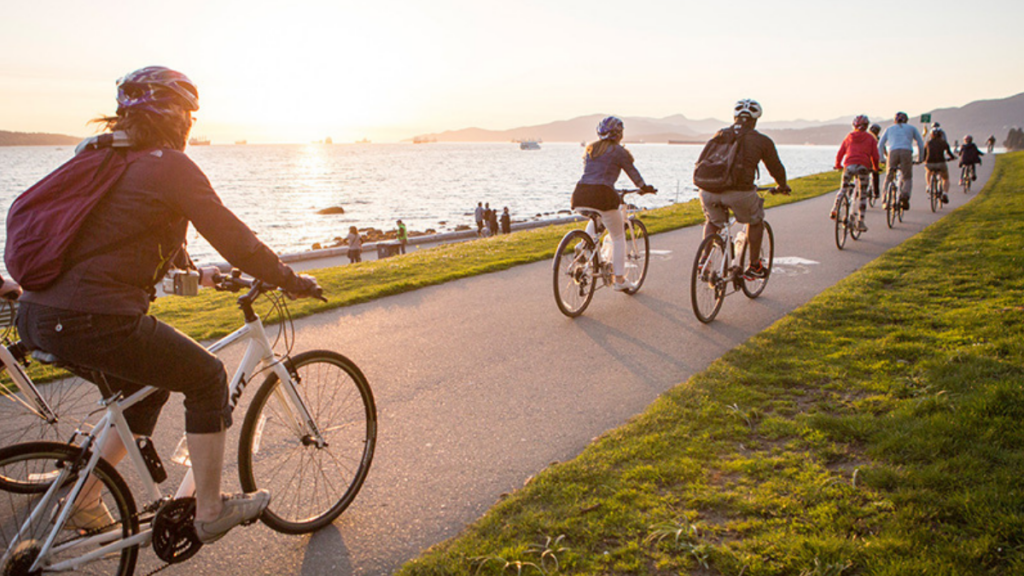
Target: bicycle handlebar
235 283
640 191
771 190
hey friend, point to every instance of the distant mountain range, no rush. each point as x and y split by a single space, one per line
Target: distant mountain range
981 119
36 139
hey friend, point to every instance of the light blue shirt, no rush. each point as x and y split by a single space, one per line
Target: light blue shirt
900 137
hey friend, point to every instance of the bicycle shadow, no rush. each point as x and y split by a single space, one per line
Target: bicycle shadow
326 553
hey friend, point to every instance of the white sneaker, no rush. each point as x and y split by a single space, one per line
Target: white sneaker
238 509
626 285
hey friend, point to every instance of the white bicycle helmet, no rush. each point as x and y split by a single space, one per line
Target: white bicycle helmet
747 107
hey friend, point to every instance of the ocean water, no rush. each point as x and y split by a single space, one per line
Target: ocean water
278 189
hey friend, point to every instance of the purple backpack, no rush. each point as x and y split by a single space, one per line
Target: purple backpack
45 219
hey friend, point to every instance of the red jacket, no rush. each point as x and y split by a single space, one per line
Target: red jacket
858 148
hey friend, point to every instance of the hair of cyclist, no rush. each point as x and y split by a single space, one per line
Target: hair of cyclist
148 130
598 147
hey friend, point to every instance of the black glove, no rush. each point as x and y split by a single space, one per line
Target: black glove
303 286
648 189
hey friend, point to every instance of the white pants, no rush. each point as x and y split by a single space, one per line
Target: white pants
612 220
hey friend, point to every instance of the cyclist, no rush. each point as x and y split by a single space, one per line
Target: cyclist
743 199
970 155
94 316
875 130
858 158
936 153
603 161
901 137
991 143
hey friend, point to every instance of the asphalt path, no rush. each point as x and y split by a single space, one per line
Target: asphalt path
481 383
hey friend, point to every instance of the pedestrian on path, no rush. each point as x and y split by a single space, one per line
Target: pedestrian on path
355 245
478 214
403 237
506 222
492 222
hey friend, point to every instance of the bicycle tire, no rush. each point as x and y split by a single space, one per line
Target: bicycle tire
572 273
295 470
70 397
753 288
638 254
965 179
934 197
890 206
707 286
42 458
842 221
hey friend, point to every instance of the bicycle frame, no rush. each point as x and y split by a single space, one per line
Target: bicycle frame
259 352
599 228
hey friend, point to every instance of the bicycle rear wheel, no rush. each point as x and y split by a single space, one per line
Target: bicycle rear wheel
34 466
707 280
753 288
638 252
842 221
69 397
573 278
934 196
890 205
311 485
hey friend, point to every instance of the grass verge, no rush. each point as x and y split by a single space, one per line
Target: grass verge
875 430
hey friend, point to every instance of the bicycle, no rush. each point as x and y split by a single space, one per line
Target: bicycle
935 190
891 200
847 217
309 436
714 271
579 267
967 175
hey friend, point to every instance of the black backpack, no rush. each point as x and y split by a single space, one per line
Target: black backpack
716 168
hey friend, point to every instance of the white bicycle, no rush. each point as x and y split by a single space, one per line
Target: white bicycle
308 436
579 266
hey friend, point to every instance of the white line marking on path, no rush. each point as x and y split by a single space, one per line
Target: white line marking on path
792 266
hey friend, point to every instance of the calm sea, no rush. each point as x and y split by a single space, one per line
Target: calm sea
278 189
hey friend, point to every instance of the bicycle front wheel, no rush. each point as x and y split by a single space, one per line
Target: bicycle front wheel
573 278
311 484
842 221
34 467
707 280
753 288
638 253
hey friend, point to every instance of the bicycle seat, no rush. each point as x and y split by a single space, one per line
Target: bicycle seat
588 212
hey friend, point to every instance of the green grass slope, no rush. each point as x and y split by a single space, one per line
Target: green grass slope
876 430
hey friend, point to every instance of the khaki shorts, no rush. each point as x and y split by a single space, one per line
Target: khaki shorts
747 205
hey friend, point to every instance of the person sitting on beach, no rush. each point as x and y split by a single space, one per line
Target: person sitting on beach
858 158
603 161
355 245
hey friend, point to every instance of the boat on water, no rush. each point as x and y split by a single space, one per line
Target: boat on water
363 141
241 142
684 142
529 145
199 141
424 140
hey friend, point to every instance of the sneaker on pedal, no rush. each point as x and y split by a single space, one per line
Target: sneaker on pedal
833 215
905 203
238 509
756 271
624 286
862 227
945 199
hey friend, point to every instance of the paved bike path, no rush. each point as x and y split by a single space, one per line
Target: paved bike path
481 383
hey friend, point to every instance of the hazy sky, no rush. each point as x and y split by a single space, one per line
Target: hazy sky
388 69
